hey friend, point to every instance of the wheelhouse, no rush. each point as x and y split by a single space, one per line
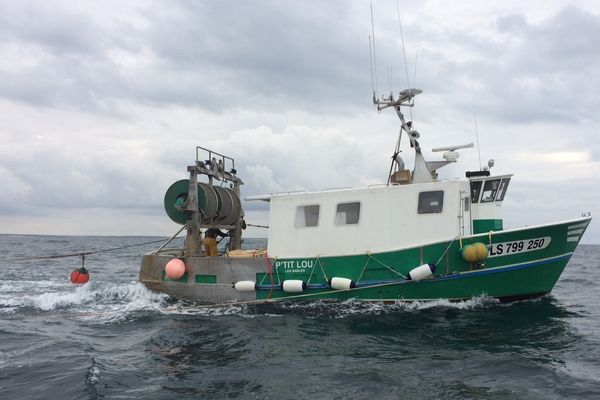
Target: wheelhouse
487 195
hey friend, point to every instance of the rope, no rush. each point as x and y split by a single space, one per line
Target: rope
263 279
85 253
170 239
311 274
322 270
364 268
447 248
258 226
268 262
388 267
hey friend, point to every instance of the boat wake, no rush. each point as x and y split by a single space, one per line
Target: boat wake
103 302
325 308
118 302
353 307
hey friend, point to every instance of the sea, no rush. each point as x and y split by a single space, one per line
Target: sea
113 338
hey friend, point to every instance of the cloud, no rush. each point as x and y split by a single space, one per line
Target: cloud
215 56
103 104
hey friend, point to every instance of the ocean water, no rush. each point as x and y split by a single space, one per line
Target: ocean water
114 339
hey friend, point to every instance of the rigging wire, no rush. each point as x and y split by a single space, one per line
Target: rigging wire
477 138
371 61
81 254
404 53
258 226
415 76
397 149
396 152
374 52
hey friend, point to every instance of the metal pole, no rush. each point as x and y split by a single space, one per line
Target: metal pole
236 233
170 239
192 242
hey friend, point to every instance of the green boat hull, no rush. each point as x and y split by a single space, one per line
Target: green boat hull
520 263
506 283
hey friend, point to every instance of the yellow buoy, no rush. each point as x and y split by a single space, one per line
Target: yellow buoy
475 252
469 253
482 251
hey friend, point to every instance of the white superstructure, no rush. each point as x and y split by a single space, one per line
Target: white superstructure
375 219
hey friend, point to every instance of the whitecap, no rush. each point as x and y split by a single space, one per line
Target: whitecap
105 302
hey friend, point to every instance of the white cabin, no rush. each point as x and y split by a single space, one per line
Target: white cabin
374 219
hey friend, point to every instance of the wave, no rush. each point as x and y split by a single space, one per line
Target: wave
182 308
353 307
325 308
108 302
116 302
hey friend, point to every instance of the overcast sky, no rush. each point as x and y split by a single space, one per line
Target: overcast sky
103 103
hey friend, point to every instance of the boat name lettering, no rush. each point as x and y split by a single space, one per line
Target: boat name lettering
518 246
294 265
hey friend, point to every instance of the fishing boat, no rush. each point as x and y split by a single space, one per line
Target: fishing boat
415 237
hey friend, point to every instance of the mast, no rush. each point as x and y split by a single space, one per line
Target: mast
424 171
421 173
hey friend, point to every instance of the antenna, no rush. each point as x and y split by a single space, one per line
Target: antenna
374 53
477 137
415 77
371 61
403 52
453 148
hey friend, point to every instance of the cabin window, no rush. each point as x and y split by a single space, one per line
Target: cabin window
307 216
431 202
489 190
502 189
347 213
475 191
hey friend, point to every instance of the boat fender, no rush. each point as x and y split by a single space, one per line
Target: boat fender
175 269
341 283
421 272
245 286
80 276
293 286
482 250
475 252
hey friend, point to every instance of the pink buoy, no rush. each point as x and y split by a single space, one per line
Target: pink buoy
175 269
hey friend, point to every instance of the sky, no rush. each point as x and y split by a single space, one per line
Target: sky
103 103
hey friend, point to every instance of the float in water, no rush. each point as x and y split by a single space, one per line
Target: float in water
436 239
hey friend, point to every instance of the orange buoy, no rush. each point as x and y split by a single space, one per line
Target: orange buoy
80 276
175 269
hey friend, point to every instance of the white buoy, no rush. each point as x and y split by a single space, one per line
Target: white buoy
341 283
421 272
245 286
293 286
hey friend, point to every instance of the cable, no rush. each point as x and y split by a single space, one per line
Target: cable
258 226
82 253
